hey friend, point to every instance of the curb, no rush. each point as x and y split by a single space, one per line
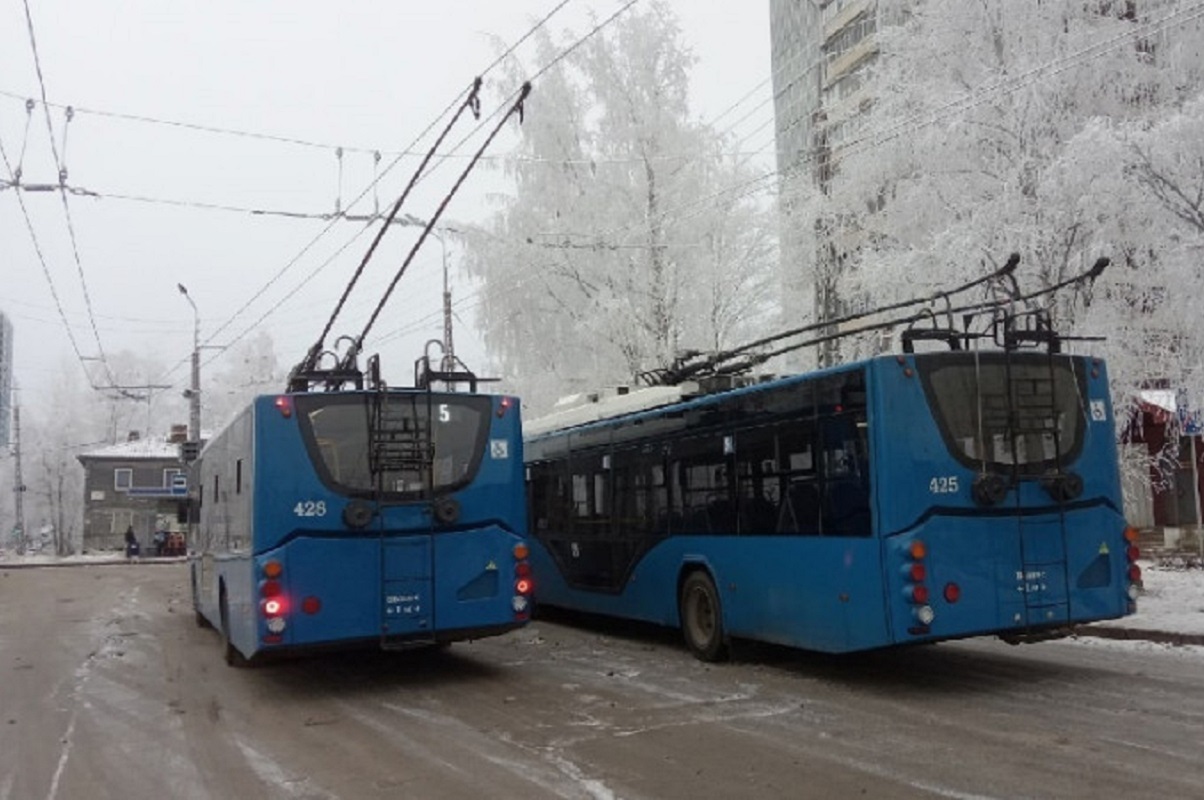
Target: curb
1137 634
7 565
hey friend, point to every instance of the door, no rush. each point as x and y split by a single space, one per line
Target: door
1041 578
407 595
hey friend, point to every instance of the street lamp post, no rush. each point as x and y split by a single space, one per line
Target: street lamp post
194 394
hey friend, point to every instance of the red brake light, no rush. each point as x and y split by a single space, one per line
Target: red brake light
522 569
311 605
284 404
919 594
953 592
269 589
918 573
1134 573
523 586
1133 552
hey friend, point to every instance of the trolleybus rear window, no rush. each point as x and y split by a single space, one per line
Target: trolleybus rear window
1023 412
416 441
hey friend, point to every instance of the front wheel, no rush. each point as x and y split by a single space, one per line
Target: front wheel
702 618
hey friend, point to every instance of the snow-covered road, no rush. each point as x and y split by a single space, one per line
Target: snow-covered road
108 689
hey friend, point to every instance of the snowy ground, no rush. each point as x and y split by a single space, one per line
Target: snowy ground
1173 599
9 557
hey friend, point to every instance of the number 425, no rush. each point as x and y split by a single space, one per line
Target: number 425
943 484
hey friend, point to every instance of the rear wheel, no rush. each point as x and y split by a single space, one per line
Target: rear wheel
201 621
233 657
702 617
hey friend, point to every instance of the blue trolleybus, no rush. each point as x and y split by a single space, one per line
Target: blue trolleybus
906 498
390 516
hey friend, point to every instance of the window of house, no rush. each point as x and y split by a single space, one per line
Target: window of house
123 478
122 519
169 477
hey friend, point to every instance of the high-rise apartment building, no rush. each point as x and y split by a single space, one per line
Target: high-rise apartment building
822 54
6 379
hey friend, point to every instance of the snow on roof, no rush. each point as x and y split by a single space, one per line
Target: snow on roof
579 409
1162 398
157 449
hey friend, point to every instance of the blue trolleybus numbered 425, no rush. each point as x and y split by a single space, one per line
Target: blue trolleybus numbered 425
393 517
902 499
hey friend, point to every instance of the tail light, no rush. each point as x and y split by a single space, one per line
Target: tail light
503 405
523 584
916 591
284 404
273 603
1132 553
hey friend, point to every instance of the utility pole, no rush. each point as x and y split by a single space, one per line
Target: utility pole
194 393
18 480
449 353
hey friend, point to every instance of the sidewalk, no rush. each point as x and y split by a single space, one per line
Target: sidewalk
1170 609
10 560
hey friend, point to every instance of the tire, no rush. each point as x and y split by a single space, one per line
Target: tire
201 621
702 617
233 657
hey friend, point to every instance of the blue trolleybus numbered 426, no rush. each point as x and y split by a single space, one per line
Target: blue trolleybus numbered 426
391 516
901 499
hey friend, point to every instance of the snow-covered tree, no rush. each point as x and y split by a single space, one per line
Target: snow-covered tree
1059 130
250 369
619 247
59 425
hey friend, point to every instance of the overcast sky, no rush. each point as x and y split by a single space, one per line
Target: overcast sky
366 75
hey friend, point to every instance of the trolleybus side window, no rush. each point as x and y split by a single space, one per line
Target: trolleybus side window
705 485
758 484
799 478
844 464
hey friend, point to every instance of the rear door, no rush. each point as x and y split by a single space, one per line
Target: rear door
401 460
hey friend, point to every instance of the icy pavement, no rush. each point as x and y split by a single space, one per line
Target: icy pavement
1172 601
